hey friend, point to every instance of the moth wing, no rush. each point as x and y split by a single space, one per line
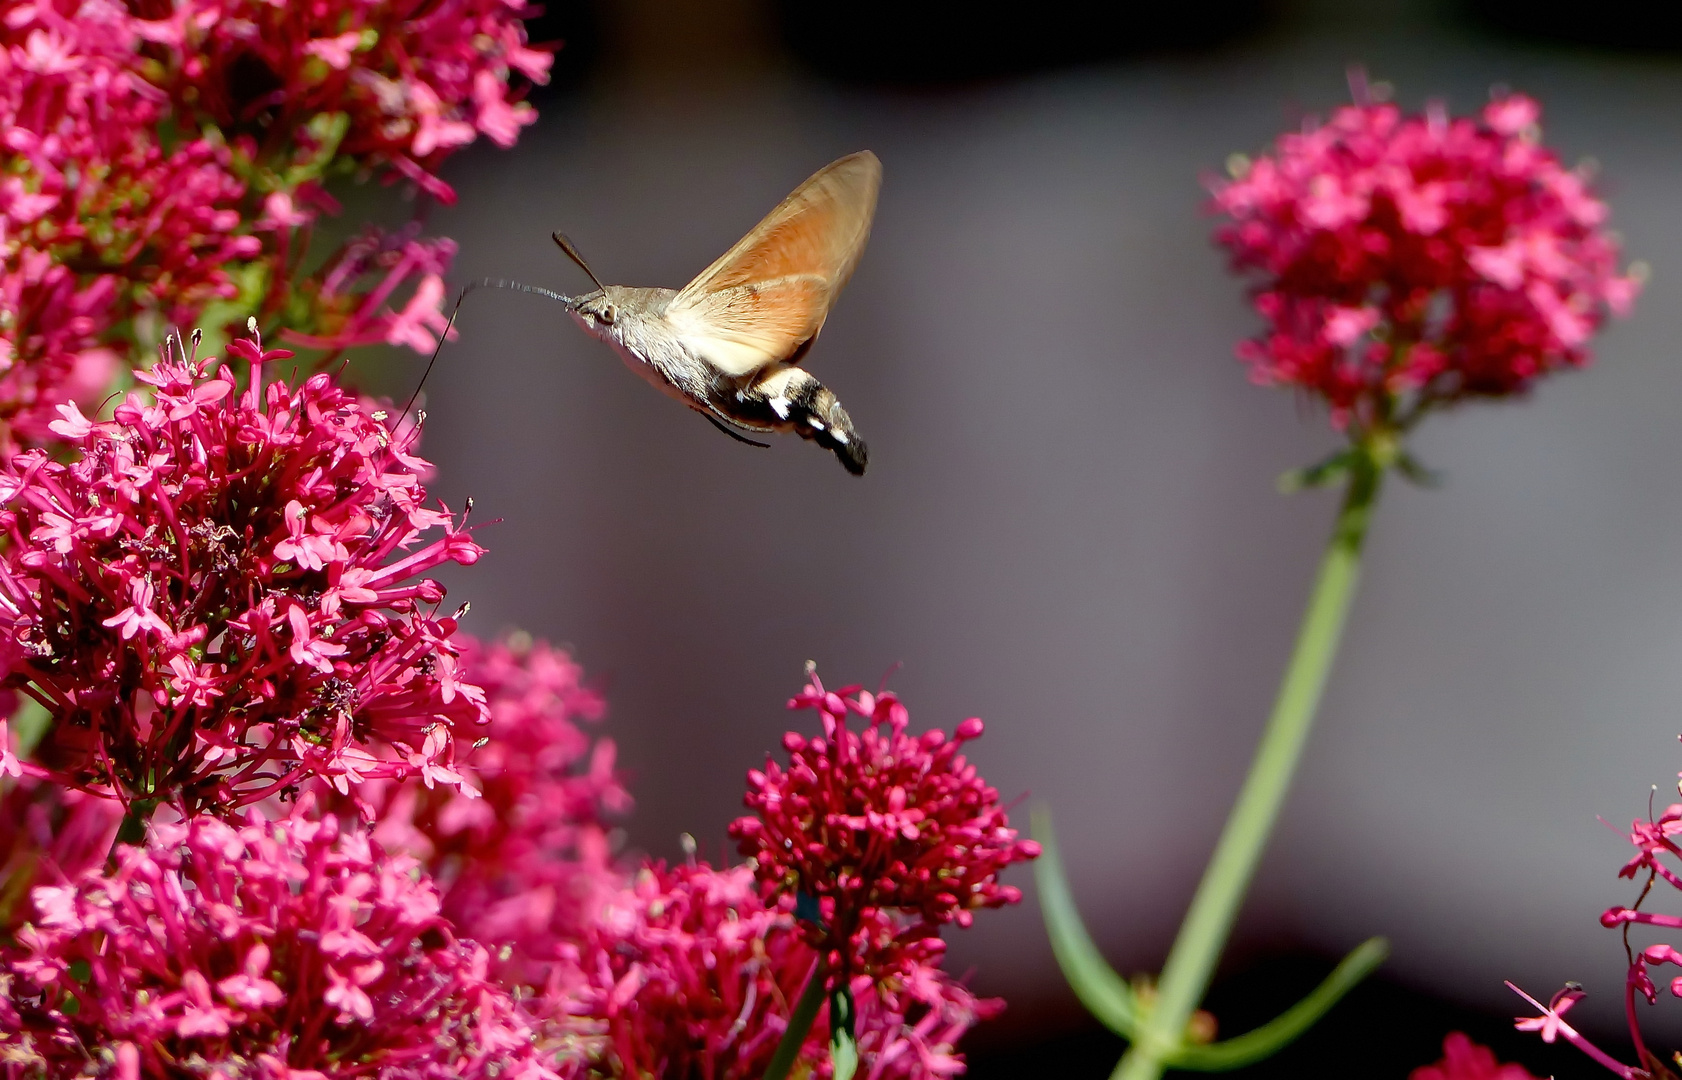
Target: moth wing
766 297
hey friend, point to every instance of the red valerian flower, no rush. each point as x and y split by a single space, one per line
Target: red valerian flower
1464 1059
1551 1025
166 158
222 596
350 299
100 220
1410 261
262 949
890 835
49 835
687 971
395 84
525 863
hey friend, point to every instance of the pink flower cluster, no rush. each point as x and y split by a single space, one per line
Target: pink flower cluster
396 84
890 835
283 949
350 297
113 222
217 600
688 972
99 219
1410 261
48 836
524 861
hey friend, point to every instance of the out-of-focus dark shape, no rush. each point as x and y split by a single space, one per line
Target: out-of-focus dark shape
1382 1031
922 42
573 27
1613 24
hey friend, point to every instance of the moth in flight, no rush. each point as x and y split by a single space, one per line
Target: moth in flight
729 343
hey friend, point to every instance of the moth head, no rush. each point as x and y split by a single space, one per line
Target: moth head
599 312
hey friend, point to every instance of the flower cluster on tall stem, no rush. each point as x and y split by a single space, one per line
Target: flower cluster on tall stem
221 597
878 838
1404 263
1411 261
257 948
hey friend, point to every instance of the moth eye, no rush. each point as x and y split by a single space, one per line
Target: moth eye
609 313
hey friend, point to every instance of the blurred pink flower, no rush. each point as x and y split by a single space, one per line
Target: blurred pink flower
1464 1059
525 865
1407 262
891 835
48 835
221 597
113 223
100 218
390 84
687 972
256 948
352 300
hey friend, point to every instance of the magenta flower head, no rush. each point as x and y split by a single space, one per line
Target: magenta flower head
257 948
87 184
526 864
221 596
1411 261
890 835
49 835
1464 1059
689 972
378 83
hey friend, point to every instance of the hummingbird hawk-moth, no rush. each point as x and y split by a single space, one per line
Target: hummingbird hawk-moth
729 343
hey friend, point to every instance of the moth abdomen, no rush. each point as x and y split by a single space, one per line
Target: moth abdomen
826 423
791 399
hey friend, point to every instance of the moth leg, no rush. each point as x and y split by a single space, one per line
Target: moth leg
733 433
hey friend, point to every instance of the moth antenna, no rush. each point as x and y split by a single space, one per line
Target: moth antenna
572 253
733 433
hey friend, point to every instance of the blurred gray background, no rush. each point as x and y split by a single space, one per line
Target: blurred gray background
1070 526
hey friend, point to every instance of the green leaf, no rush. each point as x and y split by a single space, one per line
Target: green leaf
1416 472
843 1047
29 724
1106 995
1274 1035
1319 474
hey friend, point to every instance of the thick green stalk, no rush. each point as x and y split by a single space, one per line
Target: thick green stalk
799 1024
1209 921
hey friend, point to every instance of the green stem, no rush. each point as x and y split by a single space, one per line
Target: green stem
1209 921
799 1024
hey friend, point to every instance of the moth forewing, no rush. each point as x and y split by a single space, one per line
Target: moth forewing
771 292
